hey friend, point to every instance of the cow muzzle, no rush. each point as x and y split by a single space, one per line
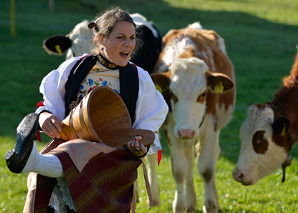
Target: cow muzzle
240 176
186 134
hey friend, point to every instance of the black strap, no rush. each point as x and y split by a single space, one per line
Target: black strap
76 77
129 88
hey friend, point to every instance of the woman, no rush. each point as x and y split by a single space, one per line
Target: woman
67 180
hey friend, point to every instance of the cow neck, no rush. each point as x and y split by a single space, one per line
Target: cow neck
290 142
289 139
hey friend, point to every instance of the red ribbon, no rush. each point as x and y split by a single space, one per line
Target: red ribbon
159 156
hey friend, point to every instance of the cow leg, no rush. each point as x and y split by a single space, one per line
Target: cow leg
136 191
207 166
190 194
152 176
179 170
216 152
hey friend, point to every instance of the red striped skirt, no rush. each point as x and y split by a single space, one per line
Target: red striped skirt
104 185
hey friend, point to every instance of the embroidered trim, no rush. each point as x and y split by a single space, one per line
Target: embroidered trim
73 104
106 63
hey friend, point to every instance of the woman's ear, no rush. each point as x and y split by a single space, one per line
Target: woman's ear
99 38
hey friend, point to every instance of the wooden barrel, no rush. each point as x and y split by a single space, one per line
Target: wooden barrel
102 117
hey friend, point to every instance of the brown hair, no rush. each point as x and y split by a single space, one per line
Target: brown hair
105 23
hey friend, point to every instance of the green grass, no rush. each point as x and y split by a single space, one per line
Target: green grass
260 38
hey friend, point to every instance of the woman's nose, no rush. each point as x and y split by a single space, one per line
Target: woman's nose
128 43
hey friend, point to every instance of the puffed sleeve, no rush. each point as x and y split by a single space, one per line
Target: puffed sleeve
151 108
53 89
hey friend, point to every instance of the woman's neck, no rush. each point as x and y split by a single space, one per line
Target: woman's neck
106 63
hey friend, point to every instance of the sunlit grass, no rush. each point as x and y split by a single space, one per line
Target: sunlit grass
260 38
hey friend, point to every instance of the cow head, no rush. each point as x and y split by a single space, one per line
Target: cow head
264 145
76 43
185 87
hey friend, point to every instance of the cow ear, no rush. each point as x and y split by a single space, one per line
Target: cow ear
57 44
281 126
161 80
219 82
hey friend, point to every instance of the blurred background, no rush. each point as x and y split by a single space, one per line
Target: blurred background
260 39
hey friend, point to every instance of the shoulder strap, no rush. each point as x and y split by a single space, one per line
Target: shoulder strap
76 77
129 87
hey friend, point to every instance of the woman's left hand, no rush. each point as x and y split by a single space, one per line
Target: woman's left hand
136 148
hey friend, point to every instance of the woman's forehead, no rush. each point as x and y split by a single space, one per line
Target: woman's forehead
124 27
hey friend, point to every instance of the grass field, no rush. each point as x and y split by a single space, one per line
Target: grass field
260 38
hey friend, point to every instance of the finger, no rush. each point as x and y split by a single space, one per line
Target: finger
144 148
57 123
55 132
138 137
136 145
129 146
52 131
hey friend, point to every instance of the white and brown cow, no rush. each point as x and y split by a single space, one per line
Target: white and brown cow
268 133
197 81
80 41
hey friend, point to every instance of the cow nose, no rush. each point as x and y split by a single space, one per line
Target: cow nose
238 176
186 133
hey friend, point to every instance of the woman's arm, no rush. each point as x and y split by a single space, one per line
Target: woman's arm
52 110
151 108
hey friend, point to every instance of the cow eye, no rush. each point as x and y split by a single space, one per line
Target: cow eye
202 97
262 139
173 97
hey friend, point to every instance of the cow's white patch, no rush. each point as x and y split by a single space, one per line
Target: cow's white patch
173 51
82 40
187 83
196 25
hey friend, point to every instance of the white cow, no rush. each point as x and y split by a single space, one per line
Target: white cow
197 81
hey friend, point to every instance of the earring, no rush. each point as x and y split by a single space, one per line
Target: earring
102 49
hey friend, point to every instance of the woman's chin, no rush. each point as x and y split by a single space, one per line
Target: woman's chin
123 63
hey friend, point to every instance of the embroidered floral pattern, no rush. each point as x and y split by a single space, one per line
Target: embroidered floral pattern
91 83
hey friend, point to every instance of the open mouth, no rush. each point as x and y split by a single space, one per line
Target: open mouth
124 54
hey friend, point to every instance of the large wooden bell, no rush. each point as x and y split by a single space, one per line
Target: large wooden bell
102 117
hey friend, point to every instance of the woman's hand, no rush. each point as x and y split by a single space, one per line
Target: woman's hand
136 148
50 124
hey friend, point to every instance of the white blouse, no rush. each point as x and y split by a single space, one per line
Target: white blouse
151 108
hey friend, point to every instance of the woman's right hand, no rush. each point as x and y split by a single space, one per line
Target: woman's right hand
50 124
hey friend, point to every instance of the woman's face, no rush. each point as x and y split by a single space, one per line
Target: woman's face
120 43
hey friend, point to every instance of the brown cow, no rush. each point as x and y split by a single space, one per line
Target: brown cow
197 81
268 133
